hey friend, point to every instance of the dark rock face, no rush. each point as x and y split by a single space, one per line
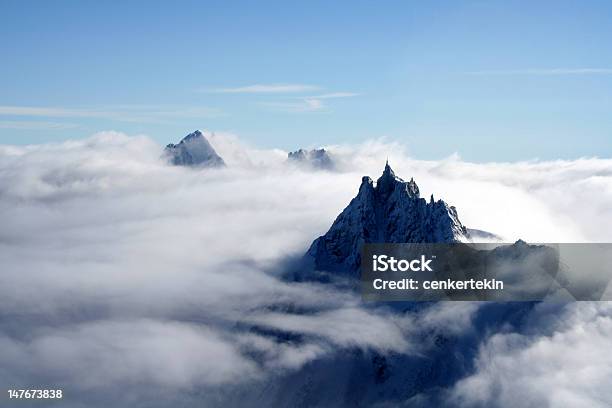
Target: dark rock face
390 211
316 159
195 151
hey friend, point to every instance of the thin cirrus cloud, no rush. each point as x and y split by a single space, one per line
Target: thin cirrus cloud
122 113
333 95
35 125
266 88
546 71
302 104
290 104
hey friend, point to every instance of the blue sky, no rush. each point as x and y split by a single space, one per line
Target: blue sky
505 80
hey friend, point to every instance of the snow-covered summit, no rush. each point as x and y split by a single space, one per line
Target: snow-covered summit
193 150
390 211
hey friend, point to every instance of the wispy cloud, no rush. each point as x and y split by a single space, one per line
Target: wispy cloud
305 105
314 103
546 71
334 95
33 125
123 113
267 88
287 103
49 112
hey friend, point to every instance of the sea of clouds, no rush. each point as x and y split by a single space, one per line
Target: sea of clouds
128 281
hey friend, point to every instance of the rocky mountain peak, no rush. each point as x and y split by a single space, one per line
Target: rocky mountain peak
388 182
193 150
390 211
318 159
194 135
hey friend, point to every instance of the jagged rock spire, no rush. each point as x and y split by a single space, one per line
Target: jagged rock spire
387 181
389 212
388 170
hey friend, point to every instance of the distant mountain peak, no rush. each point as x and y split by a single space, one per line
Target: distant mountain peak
193 150
390 211
316 159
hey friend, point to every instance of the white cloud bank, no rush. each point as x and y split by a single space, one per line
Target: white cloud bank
113 262
569 365
119 268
